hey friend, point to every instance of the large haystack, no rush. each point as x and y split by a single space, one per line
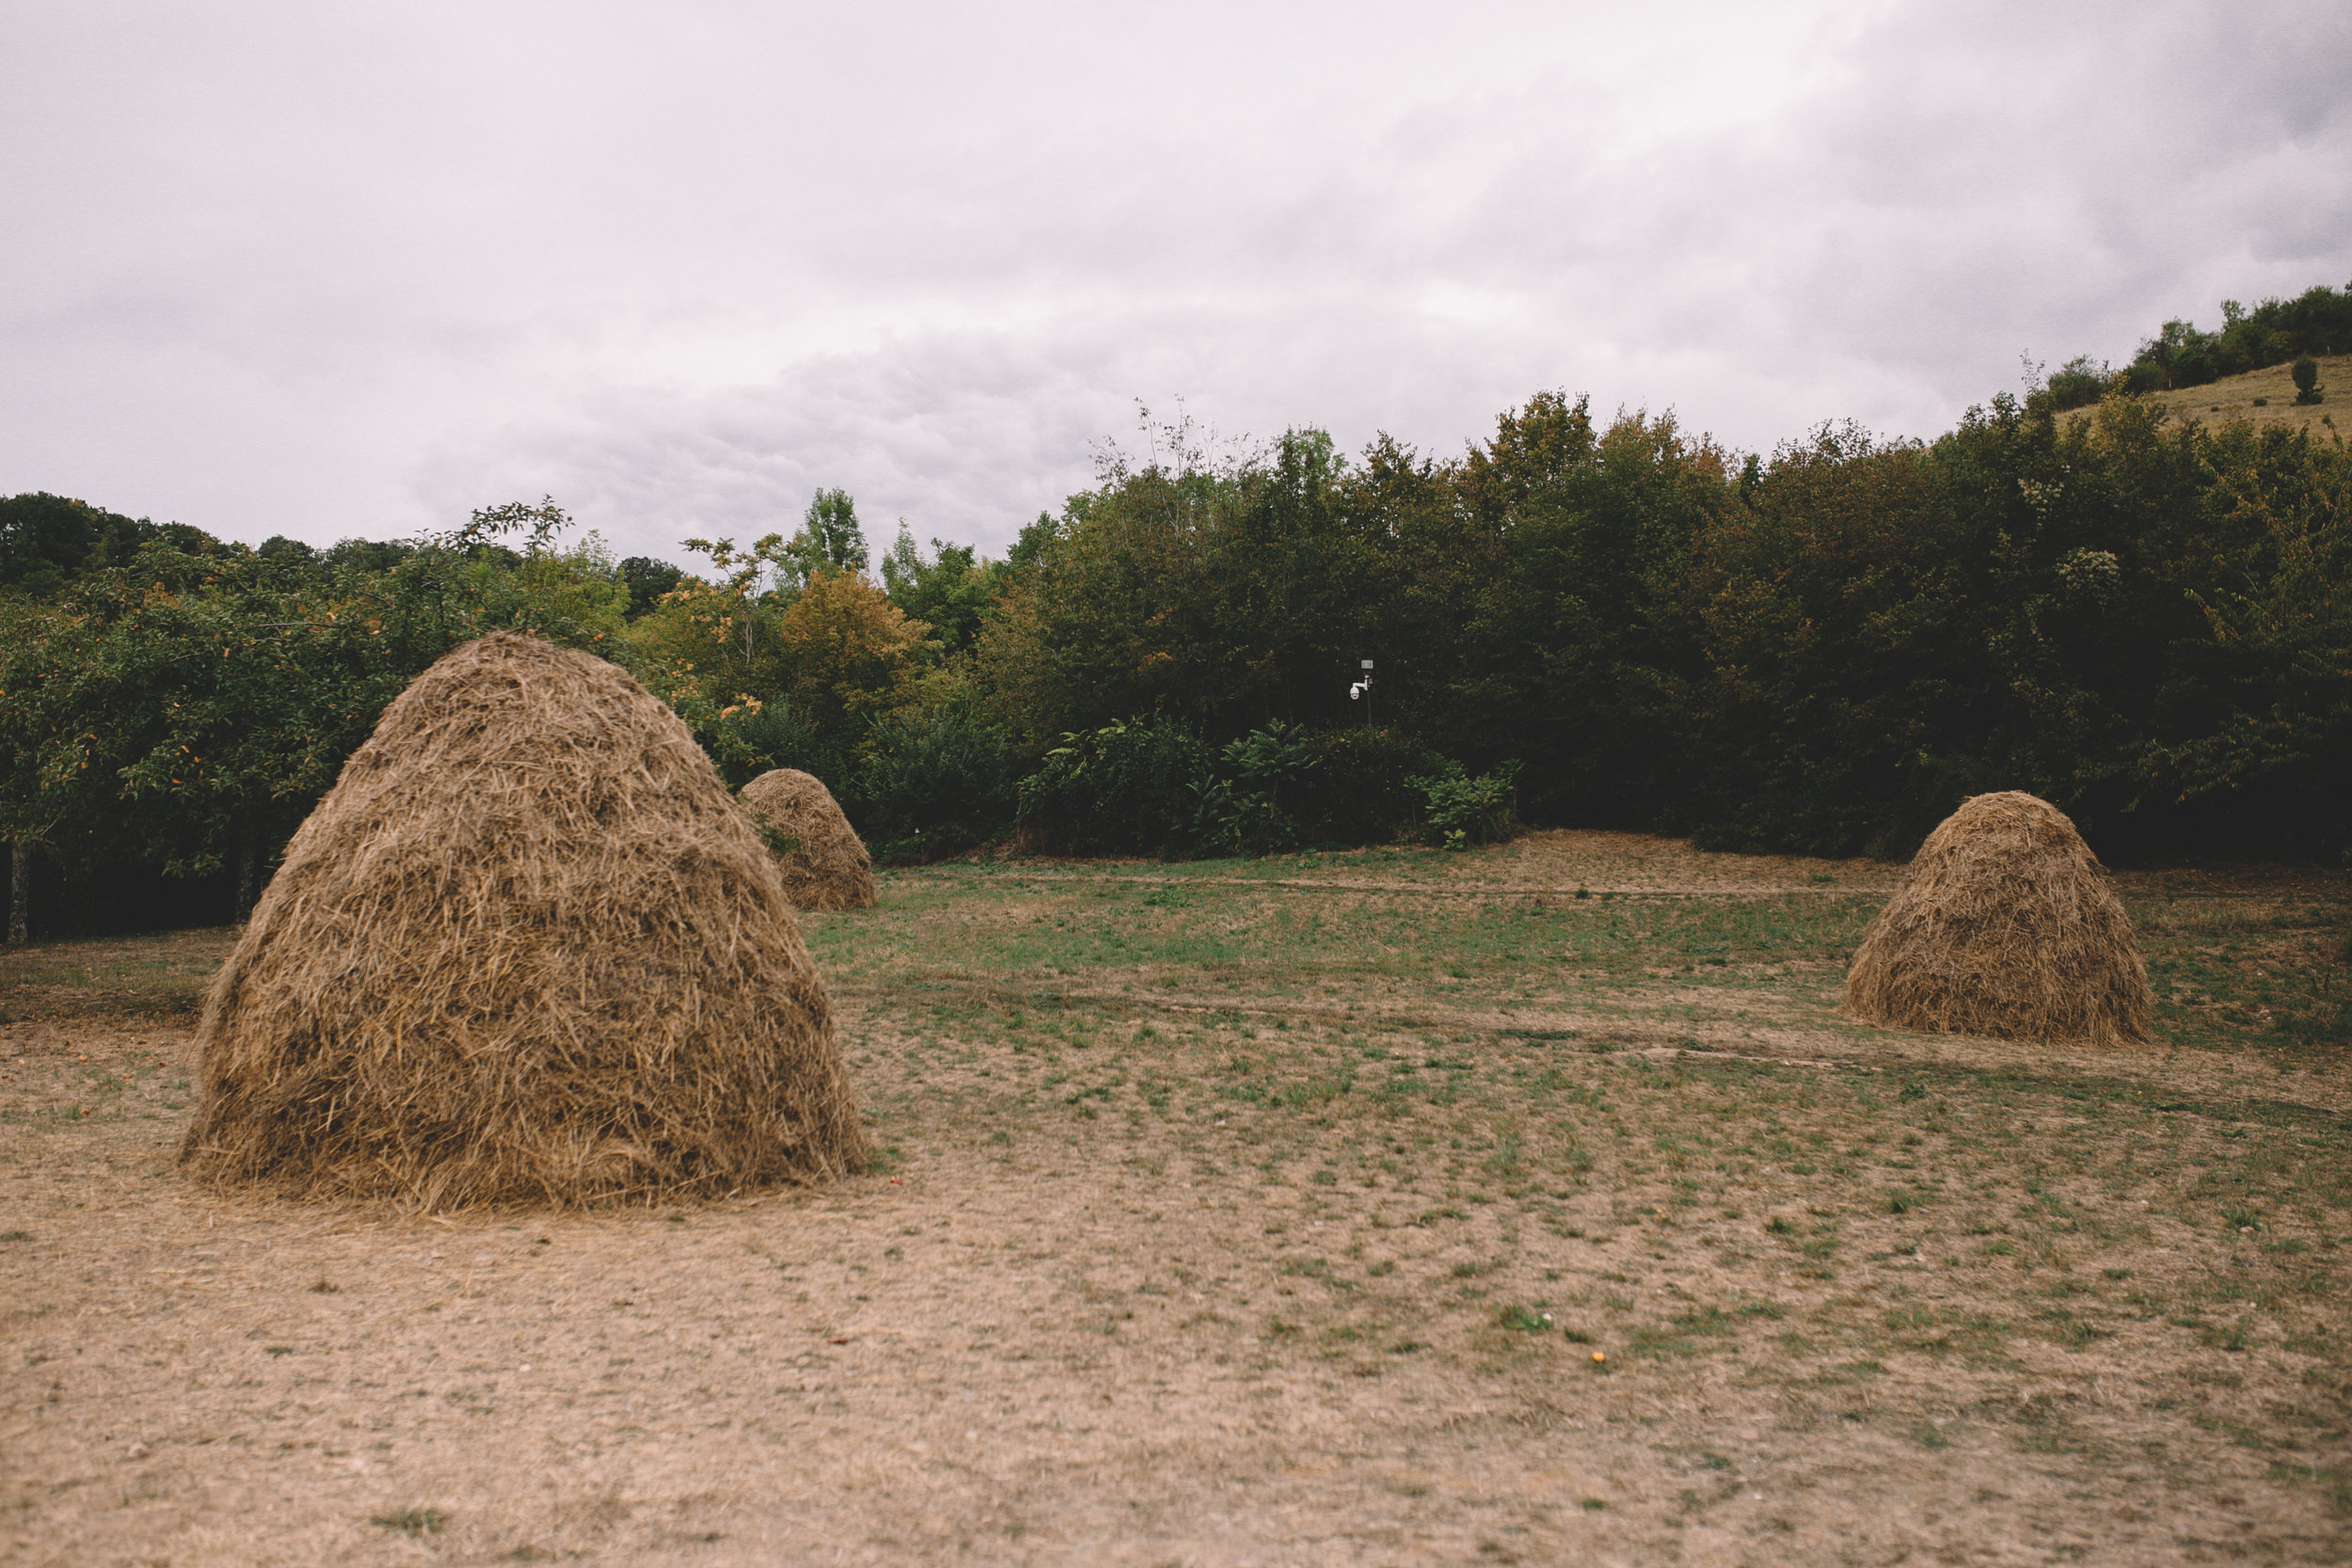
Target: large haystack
526 951
824 861
2005 924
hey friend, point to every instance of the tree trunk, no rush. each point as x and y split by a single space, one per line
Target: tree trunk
20 893
249 872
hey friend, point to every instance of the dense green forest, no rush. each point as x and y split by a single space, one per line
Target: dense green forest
1574 621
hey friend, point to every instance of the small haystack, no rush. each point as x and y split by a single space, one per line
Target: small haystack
2005 924
527 951
825 863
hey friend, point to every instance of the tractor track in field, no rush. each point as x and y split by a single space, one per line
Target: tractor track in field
1417 889
2090 1070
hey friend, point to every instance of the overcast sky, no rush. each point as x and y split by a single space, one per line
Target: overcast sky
337 270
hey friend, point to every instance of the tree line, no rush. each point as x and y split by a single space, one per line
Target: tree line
2180 354
1573 620
1824 650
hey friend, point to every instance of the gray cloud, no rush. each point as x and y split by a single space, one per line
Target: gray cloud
328 273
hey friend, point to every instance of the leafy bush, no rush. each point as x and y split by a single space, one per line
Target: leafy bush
748 741
938 781
2306 388
1152 786
1466 810
2077 384
647 579
1356 791
1244 810
1140 785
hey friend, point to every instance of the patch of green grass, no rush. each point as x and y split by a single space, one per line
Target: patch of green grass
160 975
412 1521
1928 1434
1690 1333
2334 1479
1945 1330
1316 1269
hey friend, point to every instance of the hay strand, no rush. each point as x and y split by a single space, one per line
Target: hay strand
2005 924
526 951
824 861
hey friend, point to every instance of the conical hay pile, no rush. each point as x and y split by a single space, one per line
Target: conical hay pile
2005 924
827 866
527 951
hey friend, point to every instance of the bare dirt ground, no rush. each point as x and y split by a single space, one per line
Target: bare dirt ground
1391 1207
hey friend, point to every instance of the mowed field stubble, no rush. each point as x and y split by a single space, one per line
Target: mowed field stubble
1525 1205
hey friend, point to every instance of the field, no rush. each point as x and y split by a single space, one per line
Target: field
1529 1205
2232 398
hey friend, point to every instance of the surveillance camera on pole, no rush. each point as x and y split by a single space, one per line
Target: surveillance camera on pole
1361 693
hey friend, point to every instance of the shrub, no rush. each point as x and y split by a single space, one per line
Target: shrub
2077 384
2307 387
1139 786
1244 810
1466 810
1358 791
749 741
1151 787
939 781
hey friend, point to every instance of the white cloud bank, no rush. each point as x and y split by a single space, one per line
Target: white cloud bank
325 271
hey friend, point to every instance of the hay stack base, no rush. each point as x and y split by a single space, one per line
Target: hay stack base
824 861
526 952
2005 924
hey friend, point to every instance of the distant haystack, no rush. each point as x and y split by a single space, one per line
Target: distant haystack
2005 924
526 951
825 863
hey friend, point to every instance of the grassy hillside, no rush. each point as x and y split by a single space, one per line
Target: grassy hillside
2232 398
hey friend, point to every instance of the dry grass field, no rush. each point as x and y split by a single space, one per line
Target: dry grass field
2236 397
1523 1206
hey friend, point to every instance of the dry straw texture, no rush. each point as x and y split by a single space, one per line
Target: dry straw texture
527 951
2005 926
827 868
